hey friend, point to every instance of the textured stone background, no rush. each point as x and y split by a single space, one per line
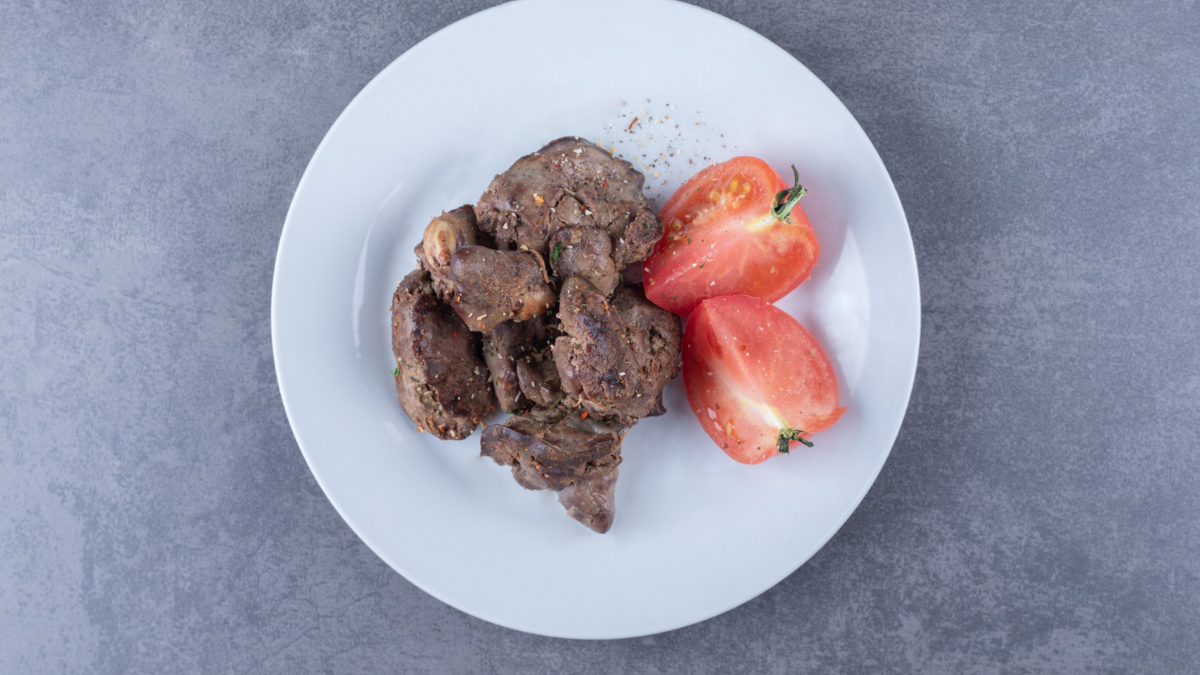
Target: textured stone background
1040 512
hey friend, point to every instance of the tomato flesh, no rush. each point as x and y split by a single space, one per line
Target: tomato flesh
752 371
721 238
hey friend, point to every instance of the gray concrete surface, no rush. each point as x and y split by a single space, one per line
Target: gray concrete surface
1040 513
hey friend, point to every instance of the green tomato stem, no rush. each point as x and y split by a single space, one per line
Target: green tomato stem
786 200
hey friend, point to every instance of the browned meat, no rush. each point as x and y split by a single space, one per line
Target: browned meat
537 375
584 252
443 235
523 371
615 358
570 182
442 382
558 450
491 287
636 233
655 337
503 347
592 499
579 381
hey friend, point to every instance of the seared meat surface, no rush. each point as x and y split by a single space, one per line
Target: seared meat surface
592 499
442 383
537 375
584 252
509 349
443 236
614 358
559 450
491 287
476 323
570 182
655 338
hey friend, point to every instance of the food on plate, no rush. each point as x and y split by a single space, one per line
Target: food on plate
491 287
615 354
733 228
516 347
570 182
585 252
477 323
755 378
441 381
537 375
736 239
566 451
521 300
443 235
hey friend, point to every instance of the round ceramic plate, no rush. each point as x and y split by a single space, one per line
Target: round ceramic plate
695 533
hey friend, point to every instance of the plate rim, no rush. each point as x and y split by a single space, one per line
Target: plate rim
909 372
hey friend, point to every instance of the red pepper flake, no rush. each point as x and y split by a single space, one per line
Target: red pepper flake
583 416
630 127
455 333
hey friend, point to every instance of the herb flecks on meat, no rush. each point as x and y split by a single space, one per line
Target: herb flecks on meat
441 380
570 183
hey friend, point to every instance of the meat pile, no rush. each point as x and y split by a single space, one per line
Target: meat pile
520 301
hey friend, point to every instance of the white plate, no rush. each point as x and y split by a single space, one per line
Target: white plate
695 534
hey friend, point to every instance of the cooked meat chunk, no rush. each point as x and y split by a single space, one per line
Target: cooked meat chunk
615 358
550 450
570 182
584 252
636 233
443 235
656 338
503 346
506 348
473 325
491 287
537 376
442 382
559 450
592 499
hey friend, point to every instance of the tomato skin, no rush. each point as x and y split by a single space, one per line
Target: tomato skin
721 239
750 371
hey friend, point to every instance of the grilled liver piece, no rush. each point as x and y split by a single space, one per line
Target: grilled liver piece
615 357
491 287
442 382
514 352
570 182
558 450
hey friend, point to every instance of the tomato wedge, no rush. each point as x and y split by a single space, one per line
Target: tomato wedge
756 380
734 228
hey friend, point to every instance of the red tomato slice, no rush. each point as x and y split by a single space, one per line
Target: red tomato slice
722 238
757 381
